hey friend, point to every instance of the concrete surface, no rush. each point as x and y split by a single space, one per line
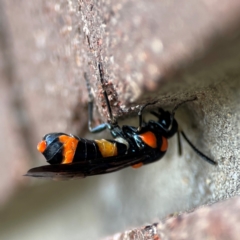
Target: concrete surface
154 50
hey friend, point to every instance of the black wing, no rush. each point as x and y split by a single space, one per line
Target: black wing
85 169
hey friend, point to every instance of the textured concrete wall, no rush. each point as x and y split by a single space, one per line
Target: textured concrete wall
168 51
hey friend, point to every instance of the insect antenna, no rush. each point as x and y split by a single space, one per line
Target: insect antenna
203 156
181 103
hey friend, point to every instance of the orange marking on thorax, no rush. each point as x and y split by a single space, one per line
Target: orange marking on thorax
107 149
149 138
164 145
42 146
137 165
69 148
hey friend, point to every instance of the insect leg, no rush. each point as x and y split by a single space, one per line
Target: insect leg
140 119
100 127
204 157
179 143
101 73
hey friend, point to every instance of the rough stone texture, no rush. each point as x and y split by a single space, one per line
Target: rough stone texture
151 50
219 221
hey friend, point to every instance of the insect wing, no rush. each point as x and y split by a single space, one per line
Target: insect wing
116 164
85 169
58 171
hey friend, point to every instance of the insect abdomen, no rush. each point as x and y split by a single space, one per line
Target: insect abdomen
97 149
158 142
59 148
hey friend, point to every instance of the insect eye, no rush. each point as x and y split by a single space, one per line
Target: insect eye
164 122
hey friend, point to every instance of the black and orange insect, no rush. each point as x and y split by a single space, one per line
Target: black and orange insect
73 157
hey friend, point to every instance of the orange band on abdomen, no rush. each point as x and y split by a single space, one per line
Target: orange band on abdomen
137 165
42 146
106 148
164 145
69 148
149 138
